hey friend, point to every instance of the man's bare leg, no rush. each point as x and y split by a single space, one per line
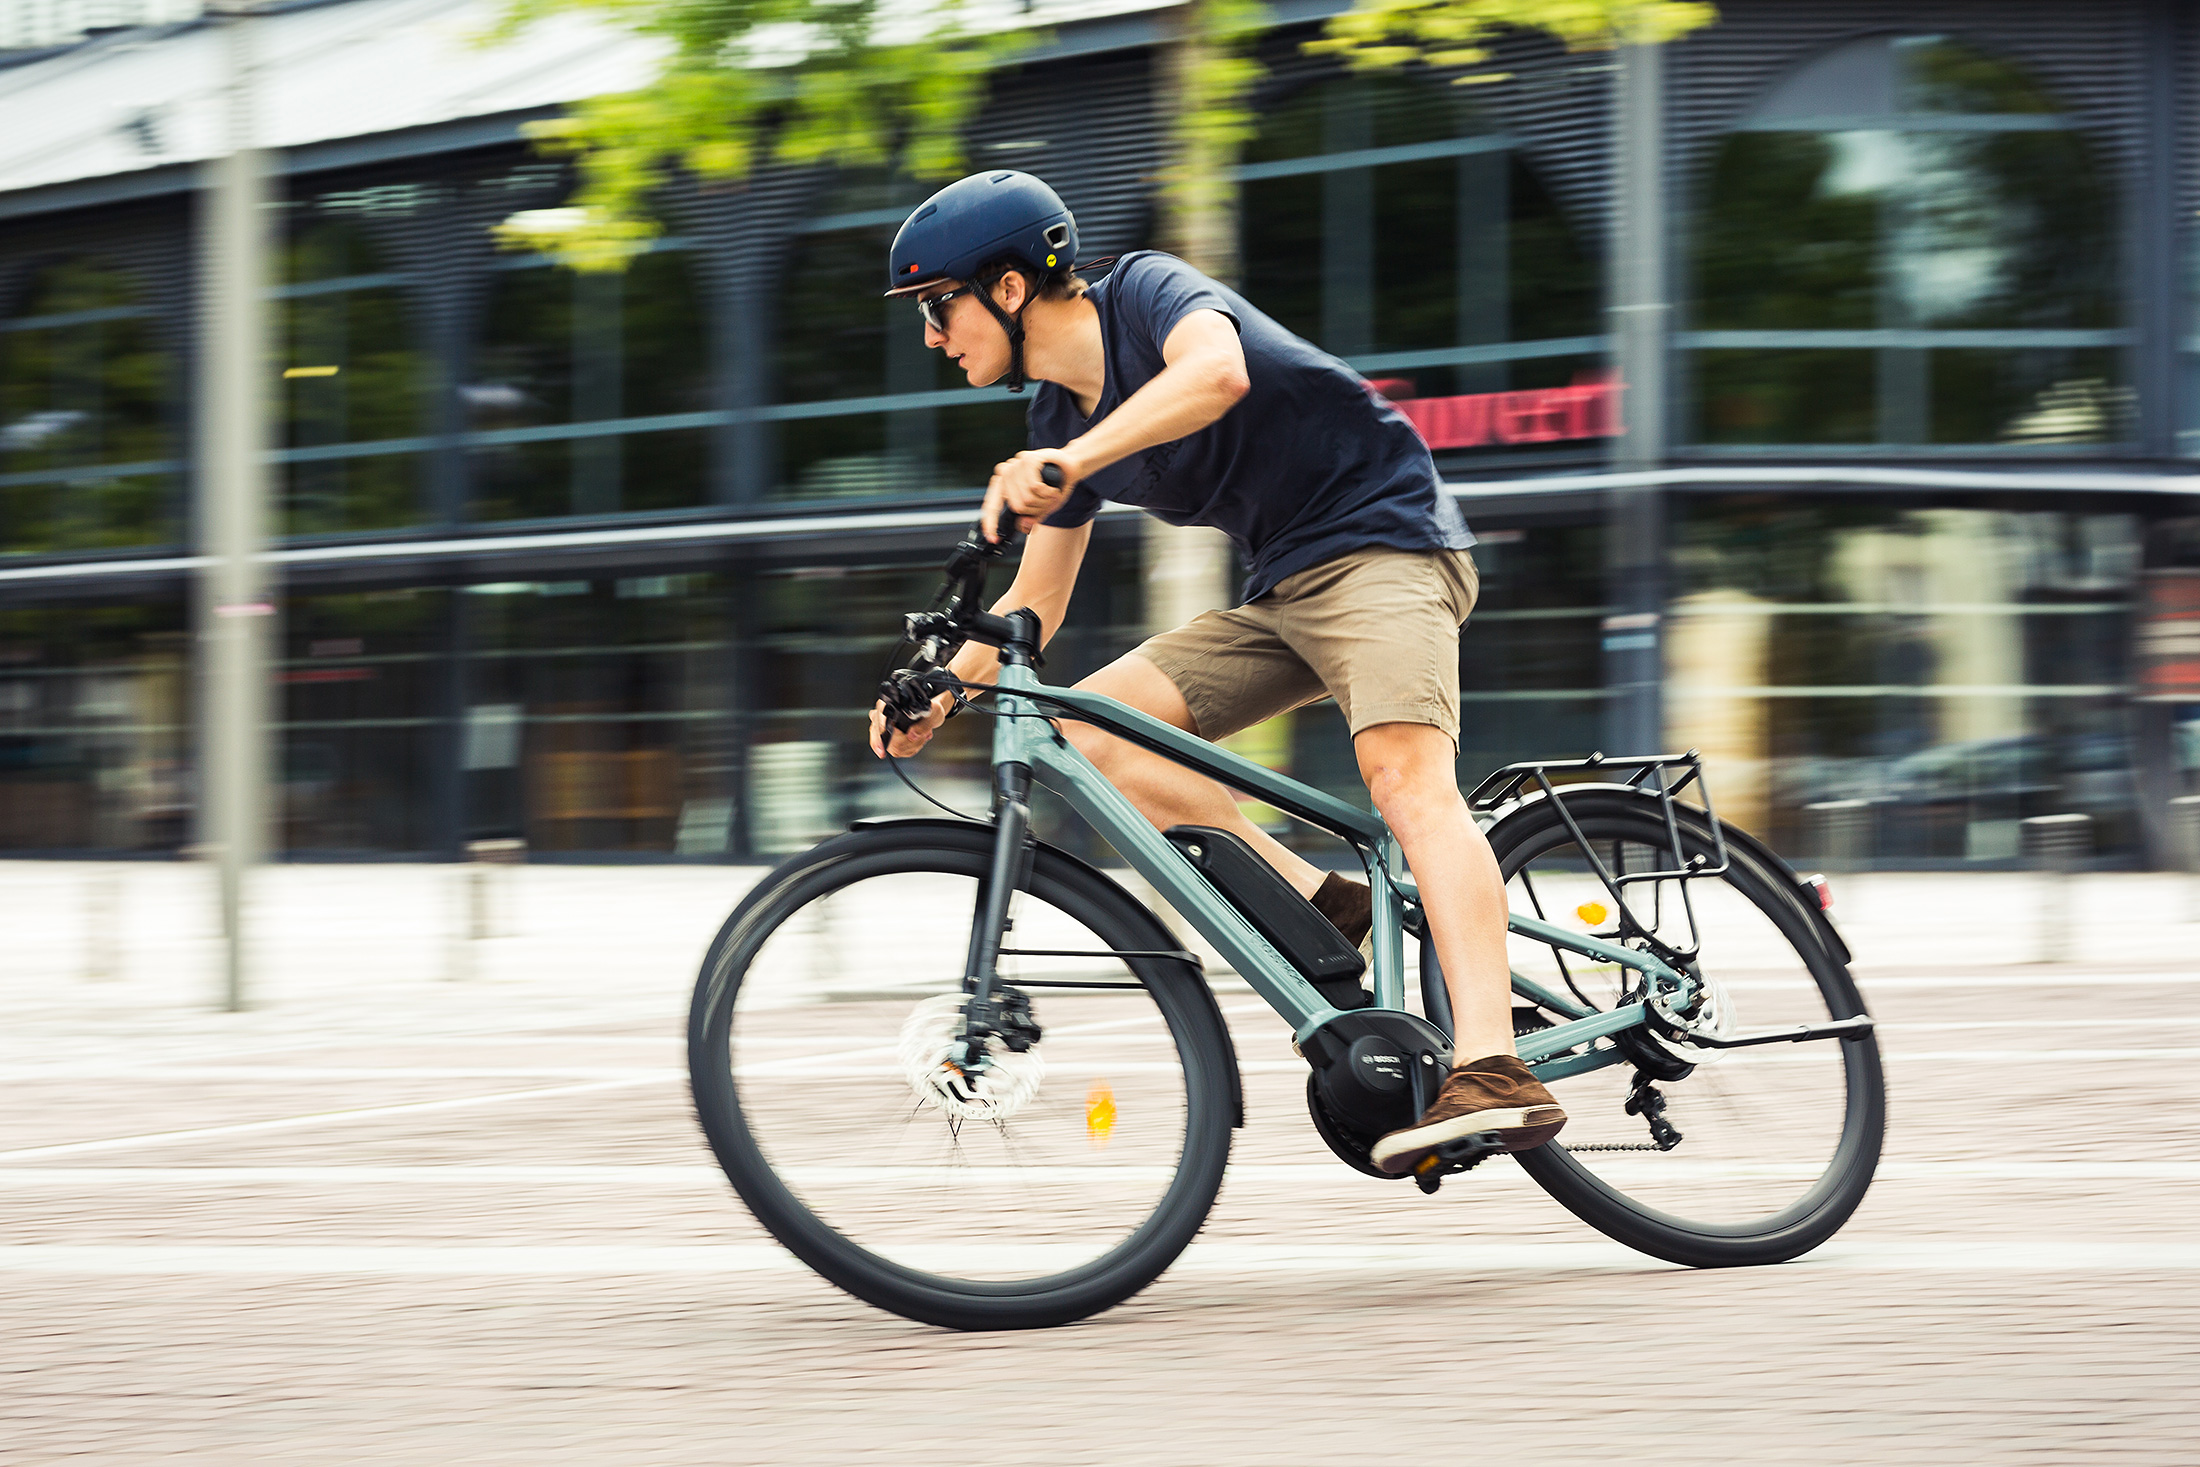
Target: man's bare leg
1410 769
1169 794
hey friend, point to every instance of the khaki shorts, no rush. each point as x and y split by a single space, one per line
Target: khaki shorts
1378 630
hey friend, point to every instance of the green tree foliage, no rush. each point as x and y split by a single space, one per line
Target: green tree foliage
863 82
1457 33
852 82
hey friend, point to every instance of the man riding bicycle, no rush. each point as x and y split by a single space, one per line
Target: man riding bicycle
1162 388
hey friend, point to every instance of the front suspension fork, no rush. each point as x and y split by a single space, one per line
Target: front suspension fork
1004 874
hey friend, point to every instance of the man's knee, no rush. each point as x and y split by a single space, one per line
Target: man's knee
1406 761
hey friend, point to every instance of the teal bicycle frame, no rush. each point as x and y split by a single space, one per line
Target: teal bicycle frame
1028 747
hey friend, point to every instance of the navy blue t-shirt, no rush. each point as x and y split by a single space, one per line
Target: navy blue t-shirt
1308 466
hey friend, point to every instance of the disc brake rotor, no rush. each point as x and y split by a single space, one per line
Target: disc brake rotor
993 1088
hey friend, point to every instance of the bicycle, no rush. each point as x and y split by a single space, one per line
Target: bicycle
969 1078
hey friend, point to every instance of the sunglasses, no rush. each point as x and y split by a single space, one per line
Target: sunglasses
934 308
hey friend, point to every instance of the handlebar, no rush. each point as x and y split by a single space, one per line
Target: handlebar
909 691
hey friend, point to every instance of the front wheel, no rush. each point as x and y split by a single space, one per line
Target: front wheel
1778 1143
1047 1185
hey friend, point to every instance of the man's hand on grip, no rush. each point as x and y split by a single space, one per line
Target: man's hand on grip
1025 487
904 743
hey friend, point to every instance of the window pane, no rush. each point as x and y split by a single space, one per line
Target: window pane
87 389
837 457
597 713
832 328
523 378
2031 397
94 727
1416 254
1281 225
351 372
1788 396
560 347
1780 249
975 438
2004 229
360 676
666 368
1958 669
1556 286
2009 224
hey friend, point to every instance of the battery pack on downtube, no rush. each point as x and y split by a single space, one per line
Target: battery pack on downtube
1276 911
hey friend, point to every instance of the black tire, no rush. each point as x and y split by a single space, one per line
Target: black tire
1696 1225
1061 885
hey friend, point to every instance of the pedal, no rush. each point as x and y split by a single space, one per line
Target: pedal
1462 1155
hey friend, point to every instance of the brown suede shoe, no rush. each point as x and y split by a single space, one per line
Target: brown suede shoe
1495 1094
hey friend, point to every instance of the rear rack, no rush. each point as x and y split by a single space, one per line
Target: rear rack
1662 775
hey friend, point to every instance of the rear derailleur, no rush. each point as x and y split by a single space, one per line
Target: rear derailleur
1646 1100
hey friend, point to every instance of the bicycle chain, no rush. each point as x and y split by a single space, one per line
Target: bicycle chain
1527 1021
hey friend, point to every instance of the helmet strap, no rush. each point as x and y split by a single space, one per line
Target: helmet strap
1013 325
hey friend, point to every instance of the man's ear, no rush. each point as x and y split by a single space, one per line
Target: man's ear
1011 292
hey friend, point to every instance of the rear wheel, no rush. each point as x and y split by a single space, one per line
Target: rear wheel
1779 1142
1048 1184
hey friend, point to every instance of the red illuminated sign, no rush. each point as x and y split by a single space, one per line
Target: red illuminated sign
1587 409
2169 636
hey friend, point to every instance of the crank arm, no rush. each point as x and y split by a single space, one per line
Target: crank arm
1856 1028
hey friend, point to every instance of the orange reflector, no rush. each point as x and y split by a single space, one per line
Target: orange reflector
1592 913
1099 1112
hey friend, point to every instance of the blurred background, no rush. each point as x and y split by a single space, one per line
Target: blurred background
610 563
1818 375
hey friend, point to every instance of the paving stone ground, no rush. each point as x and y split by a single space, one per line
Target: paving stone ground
434 1200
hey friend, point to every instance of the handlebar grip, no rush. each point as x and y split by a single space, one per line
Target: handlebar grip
1004 529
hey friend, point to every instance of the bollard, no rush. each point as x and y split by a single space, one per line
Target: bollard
478 898
2184 824
2054 845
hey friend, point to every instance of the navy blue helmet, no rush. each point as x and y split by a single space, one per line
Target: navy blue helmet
976 221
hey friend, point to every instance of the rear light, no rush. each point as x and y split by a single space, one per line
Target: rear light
1822 889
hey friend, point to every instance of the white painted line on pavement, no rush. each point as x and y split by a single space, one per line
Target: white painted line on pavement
322 1118
1309 1260
2049 979
842 1071
155 1070
1297 1173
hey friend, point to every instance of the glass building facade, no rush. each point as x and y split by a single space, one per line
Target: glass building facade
612 563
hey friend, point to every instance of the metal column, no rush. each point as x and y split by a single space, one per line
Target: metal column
236 610
1641 325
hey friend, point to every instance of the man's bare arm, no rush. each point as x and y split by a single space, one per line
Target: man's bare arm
1205 378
